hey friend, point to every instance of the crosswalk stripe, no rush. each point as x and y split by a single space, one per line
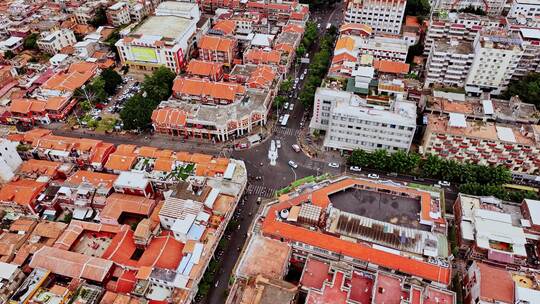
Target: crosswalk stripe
288 131
260 190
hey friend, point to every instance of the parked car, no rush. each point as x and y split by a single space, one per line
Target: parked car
296 148
373 176
293 164
280 118
286 106
333 165
444 183
302 76
291 107
355 168
278 144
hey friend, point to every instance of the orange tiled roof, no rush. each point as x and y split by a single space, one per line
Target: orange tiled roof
226 26
169 117
344 57
273 227
96 179
356 26
204 68
56 103
215 90
25 106
394 67
22 192
41 167
495 283
262 76
284 47
345 42
71 264
146 151
118 203
77 75
164 164
216 43
72 233
262 56
120 162
32 135
293 28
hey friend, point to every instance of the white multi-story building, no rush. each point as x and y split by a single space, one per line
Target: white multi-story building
530 60
350 123
53 42
459 26
158 41
179 9
384 16
386 48
118 14
491 7
9 160
497 53
449 62
525 8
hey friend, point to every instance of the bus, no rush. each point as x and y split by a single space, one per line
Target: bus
285 119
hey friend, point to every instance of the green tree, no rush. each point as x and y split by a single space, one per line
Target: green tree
9 54
30 42
137 113
414 50
473 10
300 51
279 101
158 86
417 8
93 92
286 86
100 18
112 80
528 89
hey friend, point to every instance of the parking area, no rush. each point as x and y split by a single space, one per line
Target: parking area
385 207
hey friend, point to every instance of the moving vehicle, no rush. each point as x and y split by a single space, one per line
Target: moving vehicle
293 164
373 176
286 106
278 144
355 168
328 25
333 165
285 120
444 183
302 76
291 107
296 148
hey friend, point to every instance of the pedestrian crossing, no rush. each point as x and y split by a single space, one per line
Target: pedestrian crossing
261 191
287 131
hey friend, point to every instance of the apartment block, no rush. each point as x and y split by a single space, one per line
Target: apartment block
497 53
53 42
491 7
525 8
487 143
530 60
458 26
118 14
349 122
384 16
449 62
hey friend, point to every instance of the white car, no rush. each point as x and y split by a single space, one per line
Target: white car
373 175
296 148
291 107
286 106
333 165
278 144
293 164
280 118
355 168
444 183
302 76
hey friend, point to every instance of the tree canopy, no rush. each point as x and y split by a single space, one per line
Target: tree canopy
94 92
417 8
112 80
100 18
30 42
473 179
473 10
528 89
137 111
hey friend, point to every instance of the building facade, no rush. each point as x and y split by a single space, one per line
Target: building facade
449 62
384 16
490 7
53 42
351 123
118 14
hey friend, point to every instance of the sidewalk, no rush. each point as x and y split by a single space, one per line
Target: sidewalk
313 147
